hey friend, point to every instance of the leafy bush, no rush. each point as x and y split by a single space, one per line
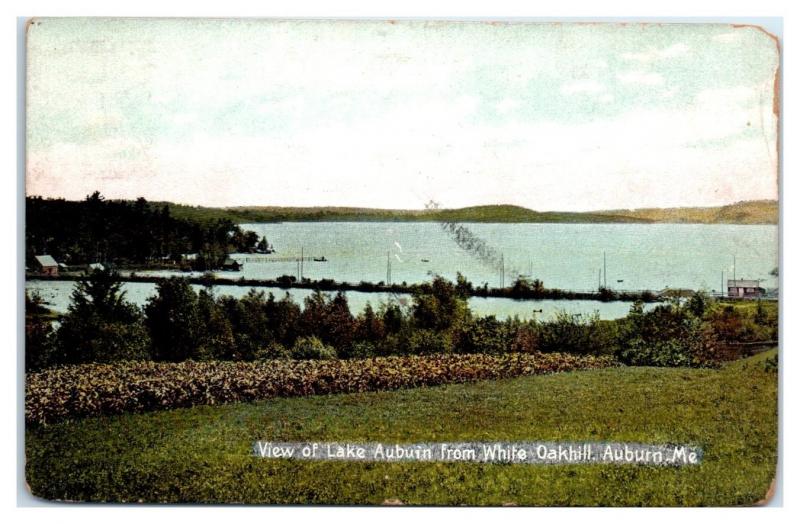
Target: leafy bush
484 335
439 304
739 324
699 303
312 348
526 339
362 349
273 351
668 352
578 334
103 389
668 335
426 342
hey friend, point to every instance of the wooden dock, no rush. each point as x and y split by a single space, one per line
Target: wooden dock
266 260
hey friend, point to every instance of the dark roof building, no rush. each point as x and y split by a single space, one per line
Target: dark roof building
231 265
46 265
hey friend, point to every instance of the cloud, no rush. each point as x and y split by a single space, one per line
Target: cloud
652 54
507 105
435 149
641 78
309 113
583 86
668 94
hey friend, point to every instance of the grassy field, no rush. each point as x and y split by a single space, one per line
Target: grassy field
203 454
756 212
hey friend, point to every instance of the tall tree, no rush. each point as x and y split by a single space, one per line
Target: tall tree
173 320
100 325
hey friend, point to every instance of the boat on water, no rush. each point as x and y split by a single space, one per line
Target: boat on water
425 260
320 259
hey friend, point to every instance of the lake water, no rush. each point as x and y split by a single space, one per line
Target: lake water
567 256
57 295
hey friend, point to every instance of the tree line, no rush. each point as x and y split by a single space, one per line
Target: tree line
127 232
180 323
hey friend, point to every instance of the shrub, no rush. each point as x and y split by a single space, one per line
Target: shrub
699 303
574 333
392 344
438 305
669 335
426 342
731 324
668 352
312 348
362 349
484 335
274 350
526 339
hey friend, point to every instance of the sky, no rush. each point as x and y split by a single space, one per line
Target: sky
396 114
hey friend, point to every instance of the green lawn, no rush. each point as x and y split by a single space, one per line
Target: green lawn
203 454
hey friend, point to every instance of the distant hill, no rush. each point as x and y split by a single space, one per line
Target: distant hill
747 212
754 212
489 213
508 213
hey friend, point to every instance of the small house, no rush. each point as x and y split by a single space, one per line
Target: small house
96 267
231 265
46 265
741 288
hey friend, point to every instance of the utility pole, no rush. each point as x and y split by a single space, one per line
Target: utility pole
605 284
301 263
388 269
599 278
734 270
502 271
722 283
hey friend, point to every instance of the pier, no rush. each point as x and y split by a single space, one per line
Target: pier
266 260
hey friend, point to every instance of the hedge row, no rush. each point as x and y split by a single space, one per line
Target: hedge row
104 389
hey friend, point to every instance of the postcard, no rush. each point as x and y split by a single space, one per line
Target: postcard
401 262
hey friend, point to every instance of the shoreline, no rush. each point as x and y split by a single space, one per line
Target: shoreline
327 285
